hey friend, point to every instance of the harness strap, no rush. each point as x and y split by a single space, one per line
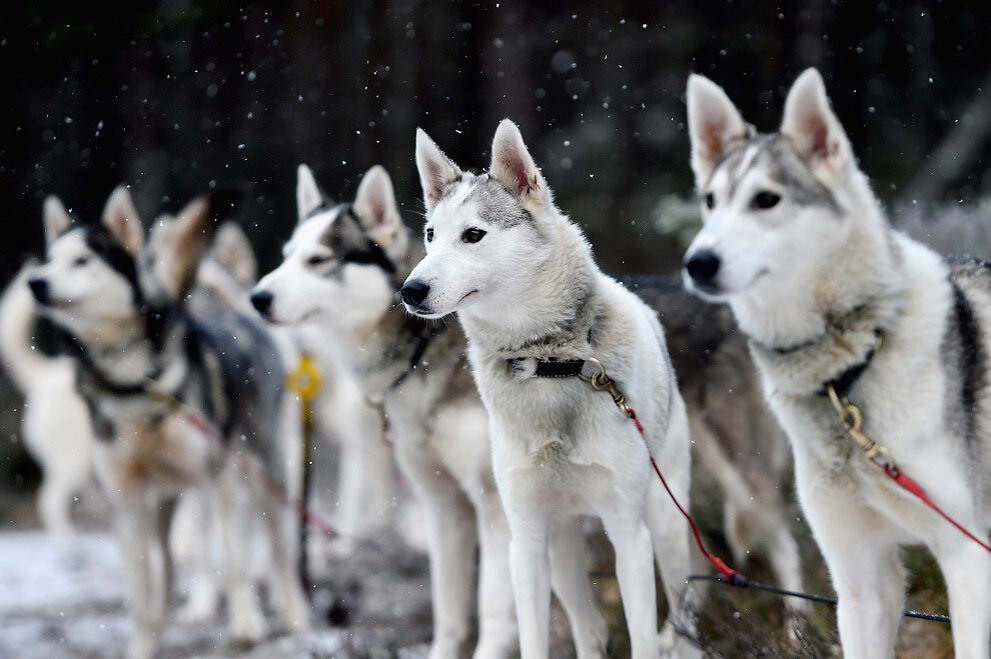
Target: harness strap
422 343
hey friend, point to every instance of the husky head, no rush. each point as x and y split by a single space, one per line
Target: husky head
342 262
98 280
776 208
485 234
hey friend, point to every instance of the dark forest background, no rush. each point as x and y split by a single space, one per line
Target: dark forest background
178 96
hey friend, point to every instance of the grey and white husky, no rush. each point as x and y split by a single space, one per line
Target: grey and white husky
119 302
342 268
833 299
533 303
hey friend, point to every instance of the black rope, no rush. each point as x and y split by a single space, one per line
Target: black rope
814 598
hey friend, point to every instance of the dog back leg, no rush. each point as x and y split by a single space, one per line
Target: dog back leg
967 571
497 629
287 595
670 534
247 623
569 578
450 523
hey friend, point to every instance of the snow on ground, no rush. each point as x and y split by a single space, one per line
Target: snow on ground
65 599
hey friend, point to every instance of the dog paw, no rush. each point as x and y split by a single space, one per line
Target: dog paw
247 624
142 646
200 607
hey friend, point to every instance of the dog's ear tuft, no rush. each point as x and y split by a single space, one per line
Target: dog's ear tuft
55 219
713 124
232 249
121 218
513 166
375 205
436 170
813 128
309 197
194 227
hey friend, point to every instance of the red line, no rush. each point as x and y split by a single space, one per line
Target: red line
732 576
913 487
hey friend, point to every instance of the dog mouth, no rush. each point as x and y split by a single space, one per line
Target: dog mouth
714 290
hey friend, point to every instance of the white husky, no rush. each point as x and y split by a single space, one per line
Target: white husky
533 303
833 299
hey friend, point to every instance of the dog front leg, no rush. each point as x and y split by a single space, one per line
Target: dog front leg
365 474
529 566
569 577
135 527
450 525
967 571
861 552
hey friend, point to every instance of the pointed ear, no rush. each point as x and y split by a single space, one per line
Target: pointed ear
513 166
191 234
121 218
713 124
55 218
233 250
436 170
375 205
308 194
813 128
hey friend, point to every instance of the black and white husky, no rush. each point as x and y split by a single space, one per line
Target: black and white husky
342 268
120 304
833 299
533 303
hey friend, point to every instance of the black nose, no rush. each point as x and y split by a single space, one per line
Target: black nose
414 292
39 288
702 267
262 301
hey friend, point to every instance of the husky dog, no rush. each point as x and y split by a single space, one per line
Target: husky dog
342 415
532 302
138 351
833 299
342 267
55 424
736 441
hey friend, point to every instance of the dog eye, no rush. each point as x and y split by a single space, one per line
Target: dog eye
80 261
765 200
710 200
430 235
318 259
472 235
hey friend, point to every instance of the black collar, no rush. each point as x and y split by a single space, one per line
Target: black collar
100 378
549 368
845 381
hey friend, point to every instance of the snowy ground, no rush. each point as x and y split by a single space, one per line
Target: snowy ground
65 599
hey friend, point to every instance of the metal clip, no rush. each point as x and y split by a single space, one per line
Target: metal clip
852 421
602 382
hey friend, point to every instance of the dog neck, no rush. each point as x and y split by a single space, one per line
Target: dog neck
553 316
125 364
387 349
837 327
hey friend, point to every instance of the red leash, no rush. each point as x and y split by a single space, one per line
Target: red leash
732 577
911 486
